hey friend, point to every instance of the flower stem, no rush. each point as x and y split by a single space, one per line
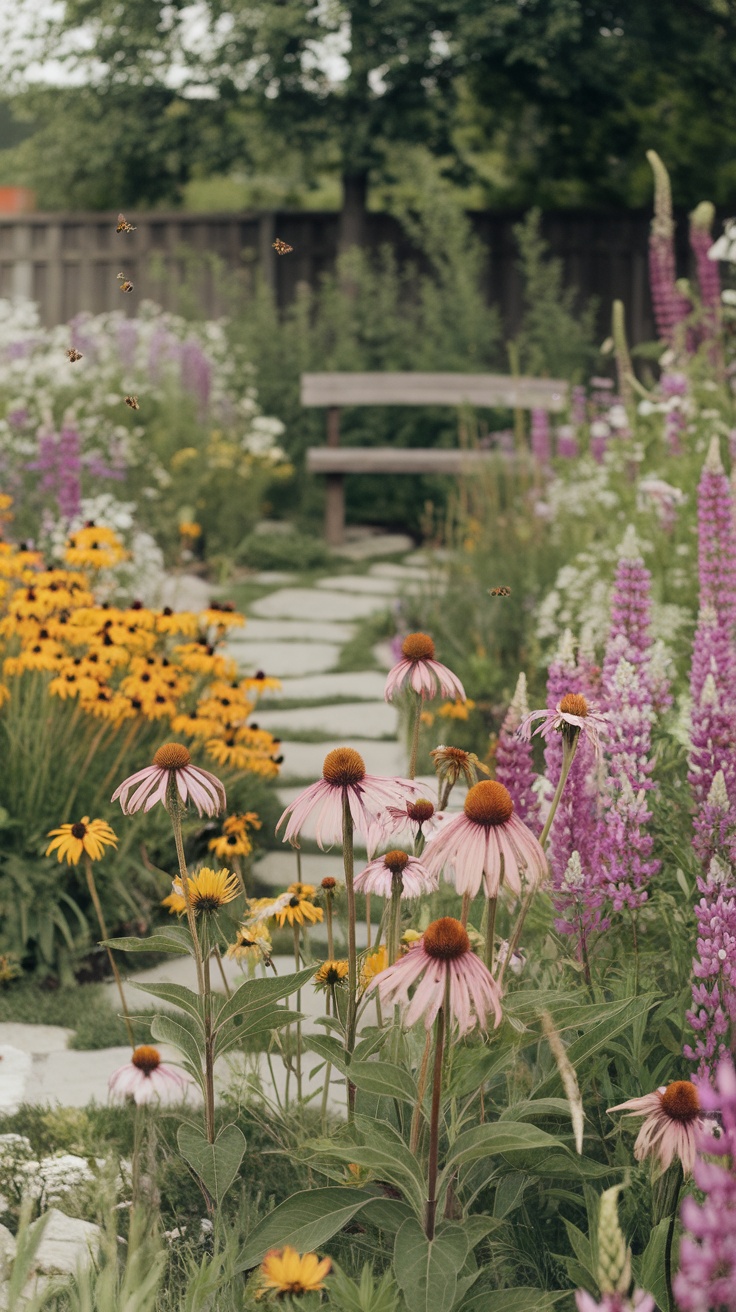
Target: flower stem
209 1054
348 857
415 736
434 1121
175 814
465 910
297 964
394 919
569 747
368 922
330 932
328 1068
671 1305
103 931
492 903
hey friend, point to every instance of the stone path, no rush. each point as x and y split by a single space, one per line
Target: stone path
296 633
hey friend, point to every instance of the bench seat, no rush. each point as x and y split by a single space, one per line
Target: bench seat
395 460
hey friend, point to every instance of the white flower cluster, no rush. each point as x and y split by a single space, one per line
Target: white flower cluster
44 1179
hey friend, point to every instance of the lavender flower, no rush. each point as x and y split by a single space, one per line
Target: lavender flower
670 307
707 1275
717 539
541 440
674 388
514 767
709 281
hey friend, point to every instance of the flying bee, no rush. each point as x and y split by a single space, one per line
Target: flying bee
279 904
132 401
123 225
282 247
499 592
72 355
125 286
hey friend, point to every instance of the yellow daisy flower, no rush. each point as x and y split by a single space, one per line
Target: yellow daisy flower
287 1272
175 903
210 889
253 943
456 710
372 965
331 973
85 836
300 908
230 845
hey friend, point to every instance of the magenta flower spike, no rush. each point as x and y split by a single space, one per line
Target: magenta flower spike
670 306
707 1275
514 766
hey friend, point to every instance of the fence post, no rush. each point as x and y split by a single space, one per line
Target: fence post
22 280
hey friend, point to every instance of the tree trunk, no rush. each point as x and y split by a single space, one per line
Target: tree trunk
352 229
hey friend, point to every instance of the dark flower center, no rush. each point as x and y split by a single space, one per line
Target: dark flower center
445 939
573 703
79 830
680 1101
489 803
343 767
418 647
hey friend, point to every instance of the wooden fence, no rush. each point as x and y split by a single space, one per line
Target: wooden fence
69 262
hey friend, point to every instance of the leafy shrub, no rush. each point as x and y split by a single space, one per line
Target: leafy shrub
282 551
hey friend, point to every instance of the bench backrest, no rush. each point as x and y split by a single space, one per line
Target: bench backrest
491 390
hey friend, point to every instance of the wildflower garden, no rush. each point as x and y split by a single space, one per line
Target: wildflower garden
476 1054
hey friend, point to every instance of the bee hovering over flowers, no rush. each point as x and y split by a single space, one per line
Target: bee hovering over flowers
282 247
499 592
132 401
73 355
123 225
125 283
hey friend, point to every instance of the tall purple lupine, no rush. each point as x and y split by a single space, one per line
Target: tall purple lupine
624 842
572 837
707 1275
714 968
674 387
196 373
670 306
59 465
514 764
713 669
709 279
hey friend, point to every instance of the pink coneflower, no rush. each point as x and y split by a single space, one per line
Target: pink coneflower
146 1077
419 671
378 877
573 714
151 785
420 816
673 1121
486 841
443 952
368 795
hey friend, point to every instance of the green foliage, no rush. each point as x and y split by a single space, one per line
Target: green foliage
282 551
556 337
368 1294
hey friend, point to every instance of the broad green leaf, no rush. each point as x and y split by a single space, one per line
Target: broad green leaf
497 1139
426 1270
478 1228
384 1079
232 1034
649 1267
472 1067
164 940
386 1214
178 996
305 1221
618 1018
167 1029
520 1299
530 1108
383 1153
510 1193
216 1164
581 1247
331 1049
254 993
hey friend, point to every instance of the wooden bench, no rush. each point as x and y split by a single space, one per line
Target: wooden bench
492 391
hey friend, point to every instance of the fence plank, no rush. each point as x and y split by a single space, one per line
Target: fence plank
491 390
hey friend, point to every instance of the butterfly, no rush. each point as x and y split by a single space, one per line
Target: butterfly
132 401
72 355
282 247
499 592
123 225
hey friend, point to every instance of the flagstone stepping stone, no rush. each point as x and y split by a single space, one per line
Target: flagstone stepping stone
384 655
359 583
67 1244
305 760
367 685
315 604
401 573
292 631
366 546
36 1039
271 578
349 719
185 592
15 1069
284 658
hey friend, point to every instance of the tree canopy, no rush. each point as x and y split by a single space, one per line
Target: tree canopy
550 102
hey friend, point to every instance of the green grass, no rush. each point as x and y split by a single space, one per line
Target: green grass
357 654
83 1008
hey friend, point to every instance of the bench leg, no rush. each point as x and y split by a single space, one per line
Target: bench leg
335 510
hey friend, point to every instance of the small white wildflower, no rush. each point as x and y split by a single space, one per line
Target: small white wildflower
717 796
573 878
719 871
